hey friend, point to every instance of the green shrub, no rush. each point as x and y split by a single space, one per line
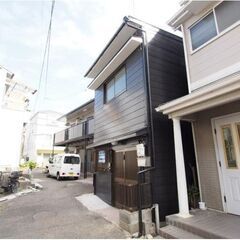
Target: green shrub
32 165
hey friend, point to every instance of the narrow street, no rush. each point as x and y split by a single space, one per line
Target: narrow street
54 212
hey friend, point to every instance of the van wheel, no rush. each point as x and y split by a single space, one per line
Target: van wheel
58 176
76 178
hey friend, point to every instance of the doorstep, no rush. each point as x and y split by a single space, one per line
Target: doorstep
203 224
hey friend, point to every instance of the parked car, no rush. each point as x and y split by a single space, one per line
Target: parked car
65 165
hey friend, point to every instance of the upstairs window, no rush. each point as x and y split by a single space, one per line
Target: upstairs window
116 86
110 90
203 31
219 19
227 13
120 82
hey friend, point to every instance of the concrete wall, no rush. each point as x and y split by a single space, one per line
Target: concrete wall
206 155
10 141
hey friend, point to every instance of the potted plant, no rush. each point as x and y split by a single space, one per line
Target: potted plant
193 196
31 166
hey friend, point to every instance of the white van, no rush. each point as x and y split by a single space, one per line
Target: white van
65 165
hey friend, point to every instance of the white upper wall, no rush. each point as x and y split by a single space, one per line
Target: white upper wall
216 59
39 132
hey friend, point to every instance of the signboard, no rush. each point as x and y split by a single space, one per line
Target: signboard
140 150
101 156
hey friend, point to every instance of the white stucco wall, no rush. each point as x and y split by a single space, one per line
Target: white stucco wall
39 136
11 126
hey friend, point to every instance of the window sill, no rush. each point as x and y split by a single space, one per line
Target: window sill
192 52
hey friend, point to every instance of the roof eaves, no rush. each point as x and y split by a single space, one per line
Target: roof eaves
109 43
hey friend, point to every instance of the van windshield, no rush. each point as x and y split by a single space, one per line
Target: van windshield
71 160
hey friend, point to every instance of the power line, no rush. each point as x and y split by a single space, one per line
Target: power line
46 52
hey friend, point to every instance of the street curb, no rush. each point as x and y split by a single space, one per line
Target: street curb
37 187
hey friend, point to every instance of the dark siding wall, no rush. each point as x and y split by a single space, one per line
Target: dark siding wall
168 81
127 112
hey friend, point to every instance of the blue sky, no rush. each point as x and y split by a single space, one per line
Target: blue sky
80 30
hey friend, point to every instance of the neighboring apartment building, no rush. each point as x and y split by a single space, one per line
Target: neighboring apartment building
38 137
211 32
141 66
14 101
78 135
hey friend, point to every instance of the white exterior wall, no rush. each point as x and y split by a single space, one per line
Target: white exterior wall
11 133
215 59
11 127
39 136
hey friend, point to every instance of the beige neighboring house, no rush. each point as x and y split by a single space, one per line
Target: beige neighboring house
38 137
211 33
78 135
14 102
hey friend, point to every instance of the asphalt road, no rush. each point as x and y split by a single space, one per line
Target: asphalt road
54 213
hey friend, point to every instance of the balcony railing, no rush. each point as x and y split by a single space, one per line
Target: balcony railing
75 131
80 130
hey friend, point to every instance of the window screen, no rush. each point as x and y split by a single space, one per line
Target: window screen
203 31
110 90
227 13
120 82
116 86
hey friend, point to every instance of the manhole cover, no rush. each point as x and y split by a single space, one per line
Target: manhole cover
43 215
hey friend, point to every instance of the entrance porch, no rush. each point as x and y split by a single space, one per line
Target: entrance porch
202 224
214 114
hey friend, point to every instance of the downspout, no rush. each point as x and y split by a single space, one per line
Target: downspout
53 145
148 92
149 98
85 151
149 116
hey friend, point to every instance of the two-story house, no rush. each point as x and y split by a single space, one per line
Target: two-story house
78 135
141 66
211 32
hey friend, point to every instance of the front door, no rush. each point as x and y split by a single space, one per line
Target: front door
125 180
228 141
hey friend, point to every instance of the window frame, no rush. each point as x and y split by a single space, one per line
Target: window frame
198 21
219 34
112 78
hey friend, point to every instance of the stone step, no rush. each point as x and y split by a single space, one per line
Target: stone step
171 232
196 228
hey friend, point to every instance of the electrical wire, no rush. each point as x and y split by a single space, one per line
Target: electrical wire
46 53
